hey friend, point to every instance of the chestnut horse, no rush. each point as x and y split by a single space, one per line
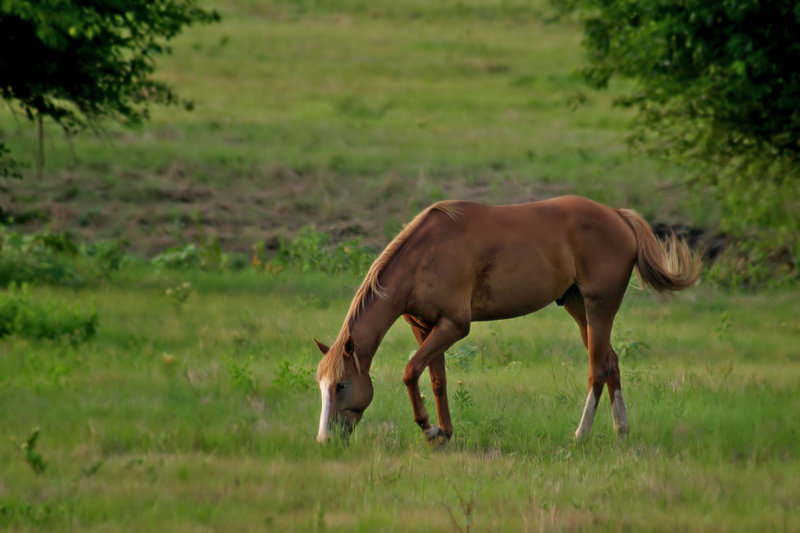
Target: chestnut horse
459 262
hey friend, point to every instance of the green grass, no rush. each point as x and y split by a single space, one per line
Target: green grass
205 418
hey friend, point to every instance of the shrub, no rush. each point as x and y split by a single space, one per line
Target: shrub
57 258
205 254
312 251
51 320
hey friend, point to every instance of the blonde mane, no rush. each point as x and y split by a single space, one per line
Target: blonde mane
332 365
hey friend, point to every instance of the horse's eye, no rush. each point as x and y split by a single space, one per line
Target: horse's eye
340 387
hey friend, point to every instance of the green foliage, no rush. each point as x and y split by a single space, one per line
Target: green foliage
57 258
462 357
631 349
462 397
712 77
716 89
8 167
294 376
32 457
724 328
312 251
179 257
205 254
242 378
21 316
86 61
762 218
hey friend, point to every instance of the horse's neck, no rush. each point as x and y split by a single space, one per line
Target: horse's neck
372 323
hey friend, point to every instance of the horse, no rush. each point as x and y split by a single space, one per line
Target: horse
458 262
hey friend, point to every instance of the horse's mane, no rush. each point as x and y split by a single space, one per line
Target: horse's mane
331 367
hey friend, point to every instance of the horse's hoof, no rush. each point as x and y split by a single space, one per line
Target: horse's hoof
436 437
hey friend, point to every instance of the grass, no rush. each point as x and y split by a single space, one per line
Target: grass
204 418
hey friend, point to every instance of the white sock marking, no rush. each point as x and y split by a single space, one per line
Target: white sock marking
589 409
619 414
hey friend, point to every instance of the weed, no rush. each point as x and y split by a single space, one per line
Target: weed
178 295
178 257
462 357
205 254
242 376
32 457
514 368
89 471
462 397
291 376
723 329
629 348
466 505
501 344
312 251
108 256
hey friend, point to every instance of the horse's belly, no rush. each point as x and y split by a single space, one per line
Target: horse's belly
507 301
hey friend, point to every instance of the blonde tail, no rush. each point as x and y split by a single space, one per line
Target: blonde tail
663 265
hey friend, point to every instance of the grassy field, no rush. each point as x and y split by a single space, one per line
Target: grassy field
203 418
200 415
353 117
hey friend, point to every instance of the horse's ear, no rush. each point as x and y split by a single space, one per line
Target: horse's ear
349 347
322 348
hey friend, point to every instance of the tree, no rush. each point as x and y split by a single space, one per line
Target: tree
77 62
717 88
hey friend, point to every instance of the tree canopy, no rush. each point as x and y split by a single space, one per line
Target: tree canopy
713 77
80 61
716 87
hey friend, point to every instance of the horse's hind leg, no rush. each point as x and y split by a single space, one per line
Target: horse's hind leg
603 362
618 411
574 305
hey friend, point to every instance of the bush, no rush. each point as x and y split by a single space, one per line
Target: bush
205 254
312 251
57 258
51 320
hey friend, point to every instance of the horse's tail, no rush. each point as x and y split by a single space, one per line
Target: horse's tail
668 265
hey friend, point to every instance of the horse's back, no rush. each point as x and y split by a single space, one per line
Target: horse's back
514 259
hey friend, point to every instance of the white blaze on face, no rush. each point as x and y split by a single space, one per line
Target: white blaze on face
325 391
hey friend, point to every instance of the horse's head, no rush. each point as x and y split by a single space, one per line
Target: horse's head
346 390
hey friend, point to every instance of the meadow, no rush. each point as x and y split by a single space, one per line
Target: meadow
201 415
352 117
180 395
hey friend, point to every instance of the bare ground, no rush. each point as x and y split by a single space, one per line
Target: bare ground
156 211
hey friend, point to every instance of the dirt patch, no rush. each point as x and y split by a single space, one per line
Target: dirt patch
156 211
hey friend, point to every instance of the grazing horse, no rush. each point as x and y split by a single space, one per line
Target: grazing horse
459 262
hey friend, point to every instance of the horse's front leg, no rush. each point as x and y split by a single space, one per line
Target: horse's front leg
439 386
431 354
